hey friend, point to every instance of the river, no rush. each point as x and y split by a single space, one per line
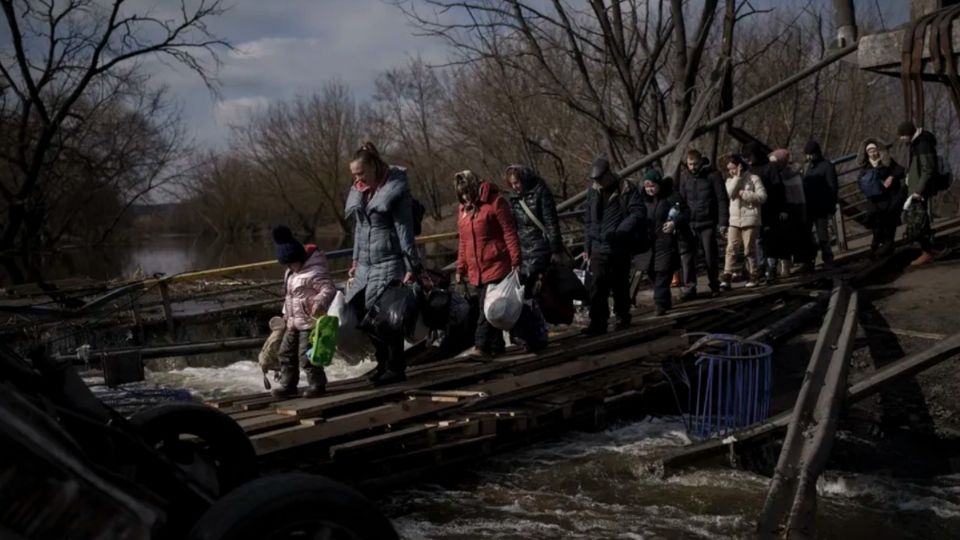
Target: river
582 485
597 486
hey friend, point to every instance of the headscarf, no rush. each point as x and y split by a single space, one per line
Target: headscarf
467 184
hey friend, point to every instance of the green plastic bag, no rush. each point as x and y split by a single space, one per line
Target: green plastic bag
323 340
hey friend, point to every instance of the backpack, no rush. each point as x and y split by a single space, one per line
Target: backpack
639 238
944 176
419 210
870 184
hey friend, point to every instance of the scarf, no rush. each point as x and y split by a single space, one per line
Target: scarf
875 162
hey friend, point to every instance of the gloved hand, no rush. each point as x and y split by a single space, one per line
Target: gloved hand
784 216
723 232
537 285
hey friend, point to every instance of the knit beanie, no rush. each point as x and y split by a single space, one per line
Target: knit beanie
906 129
289 250
812 148
653 175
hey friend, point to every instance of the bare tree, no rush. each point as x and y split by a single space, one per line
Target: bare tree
60 53
410 102
303 148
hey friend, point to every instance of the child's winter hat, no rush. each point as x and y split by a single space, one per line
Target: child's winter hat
289 250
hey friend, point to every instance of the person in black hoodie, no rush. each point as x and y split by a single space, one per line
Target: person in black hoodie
614 213
773 243
820 189
702 191
538 226
666 214
921 173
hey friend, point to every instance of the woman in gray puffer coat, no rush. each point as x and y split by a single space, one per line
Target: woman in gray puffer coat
384 247
540 243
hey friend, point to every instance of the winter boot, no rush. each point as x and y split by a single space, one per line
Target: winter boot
287 386
390 377
316 382
689 294
622 323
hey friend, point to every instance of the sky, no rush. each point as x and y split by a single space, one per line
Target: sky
287 47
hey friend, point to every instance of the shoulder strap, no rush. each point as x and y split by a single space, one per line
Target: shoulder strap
533 218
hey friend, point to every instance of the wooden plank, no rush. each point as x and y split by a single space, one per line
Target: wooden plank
265 422
347 448
305 408
312 429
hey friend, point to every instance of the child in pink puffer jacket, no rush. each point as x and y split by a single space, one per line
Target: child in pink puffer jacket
309 290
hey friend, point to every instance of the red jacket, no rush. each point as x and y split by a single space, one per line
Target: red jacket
489 247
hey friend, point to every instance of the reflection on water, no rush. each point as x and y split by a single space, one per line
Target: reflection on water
166 255
160 254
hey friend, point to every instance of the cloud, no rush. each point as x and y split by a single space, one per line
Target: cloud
233 111
292 47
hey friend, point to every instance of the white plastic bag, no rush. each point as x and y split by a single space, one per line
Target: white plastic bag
504 302
353 346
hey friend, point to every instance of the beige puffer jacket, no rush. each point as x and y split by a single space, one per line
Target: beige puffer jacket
746 197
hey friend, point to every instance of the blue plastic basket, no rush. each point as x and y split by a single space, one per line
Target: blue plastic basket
734 381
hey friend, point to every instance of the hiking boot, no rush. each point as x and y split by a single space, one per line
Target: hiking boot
390 377
689 294
374 374
592 331
924 258
316 382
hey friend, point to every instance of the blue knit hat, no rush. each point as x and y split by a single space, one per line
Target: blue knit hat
288 249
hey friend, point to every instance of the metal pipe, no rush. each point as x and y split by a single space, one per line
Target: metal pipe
845 20
722 119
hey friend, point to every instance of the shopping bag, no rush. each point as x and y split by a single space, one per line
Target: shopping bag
353 345
323 340
504 302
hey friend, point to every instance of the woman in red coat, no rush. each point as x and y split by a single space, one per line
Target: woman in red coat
489 248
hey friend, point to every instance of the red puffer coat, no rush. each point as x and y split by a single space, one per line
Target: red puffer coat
489 247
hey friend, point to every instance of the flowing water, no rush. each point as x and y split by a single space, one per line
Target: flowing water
583 485
599 485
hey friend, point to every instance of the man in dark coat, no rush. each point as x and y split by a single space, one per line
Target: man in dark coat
667 215
921 171
820 189
538 225
614 213
772 244
704 195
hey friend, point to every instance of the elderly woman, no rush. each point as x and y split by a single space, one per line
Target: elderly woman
488 249
538 226
384 249
747 195
881 181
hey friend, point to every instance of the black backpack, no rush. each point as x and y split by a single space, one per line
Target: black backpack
419 210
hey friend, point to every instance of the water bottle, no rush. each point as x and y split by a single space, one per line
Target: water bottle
673 215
